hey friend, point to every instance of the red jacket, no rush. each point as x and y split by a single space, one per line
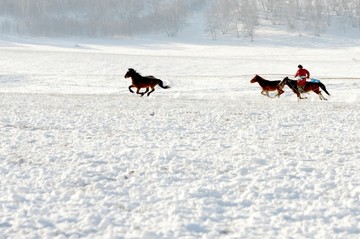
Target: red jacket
303 72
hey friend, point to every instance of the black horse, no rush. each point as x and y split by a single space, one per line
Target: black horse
147 82
309 86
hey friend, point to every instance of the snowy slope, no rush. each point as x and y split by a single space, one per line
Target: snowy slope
81 157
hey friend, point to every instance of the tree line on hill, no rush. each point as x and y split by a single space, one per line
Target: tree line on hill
113 18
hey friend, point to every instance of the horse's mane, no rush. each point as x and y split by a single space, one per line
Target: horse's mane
134 72
290 80
259 77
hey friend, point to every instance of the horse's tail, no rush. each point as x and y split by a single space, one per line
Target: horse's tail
161 84
322 86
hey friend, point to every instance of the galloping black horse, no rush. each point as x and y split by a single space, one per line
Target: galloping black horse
309 86
147 82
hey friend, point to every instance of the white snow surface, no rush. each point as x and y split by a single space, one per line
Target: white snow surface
82 157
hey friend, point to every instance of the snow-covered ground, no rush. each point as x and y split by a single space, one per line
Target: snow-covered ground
82 157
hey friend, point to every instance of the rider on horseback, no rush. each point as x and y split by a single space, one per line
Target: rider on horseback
303 74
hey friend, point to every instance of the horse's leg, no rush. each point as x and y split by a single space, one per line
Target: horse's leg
321 96
146 91
268 95
140 93
280 92
152 90
131 89
318 92
297 94
300 96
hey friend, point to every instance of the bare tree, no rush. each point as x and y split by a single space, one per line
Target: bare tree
249 17
212 21
223 16
171 17
314 12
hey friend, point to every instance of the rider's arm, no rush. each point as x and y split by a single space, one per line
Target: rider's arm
297 73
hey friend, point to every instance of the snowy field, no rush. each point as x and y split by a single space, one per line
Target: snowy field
82 157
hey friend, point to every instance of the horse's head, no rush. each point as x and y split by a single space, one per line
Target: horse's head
255 79
284 82
130 73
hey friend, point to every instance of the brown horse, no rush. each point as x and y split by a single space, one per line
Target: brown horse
147 82
267 86
309 86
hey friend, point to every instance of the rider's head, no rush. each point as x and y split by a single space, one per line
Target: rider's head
300 66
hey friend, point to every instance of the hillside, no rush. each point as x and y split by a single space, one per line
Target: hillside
211 18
